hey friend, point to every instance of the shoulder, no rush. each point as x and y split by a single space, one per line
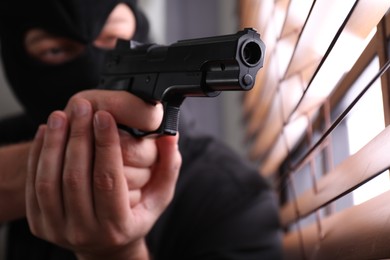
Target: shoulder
208 162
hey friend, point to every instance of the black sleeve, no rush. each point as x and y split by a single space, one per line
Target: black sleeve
16 128
22 245
222 209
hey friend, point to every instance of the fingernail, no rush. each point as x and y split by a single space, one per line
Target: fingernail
101 120
81 109
55 122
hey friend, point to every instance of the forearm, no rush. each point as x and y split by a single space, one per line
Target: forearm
13 167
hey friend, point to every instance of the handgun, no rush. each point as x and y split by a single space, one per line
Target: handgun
201 67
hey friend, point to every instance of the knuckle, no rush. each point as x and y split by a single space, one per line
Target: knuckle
78 132
103 142
43 187
104 181
73 179
50 145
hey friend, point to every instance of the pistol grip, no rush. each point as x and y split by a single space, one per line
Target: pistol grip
170 123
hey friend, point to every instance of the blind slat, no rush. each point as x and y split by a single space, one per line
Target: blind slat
295 17
360 232
283 146
322 25
272 125
354 171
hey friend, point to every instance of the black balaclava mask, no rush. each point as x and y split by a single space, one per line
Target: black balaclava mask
43 88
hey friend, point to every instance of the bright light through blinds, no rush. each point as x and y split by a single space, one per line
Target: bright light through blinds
365 122
302 68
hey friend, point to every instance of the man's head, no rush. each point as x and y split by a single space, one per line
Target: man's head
52 49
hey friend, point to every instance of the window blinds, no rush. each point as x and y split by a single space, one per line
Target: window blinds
316 52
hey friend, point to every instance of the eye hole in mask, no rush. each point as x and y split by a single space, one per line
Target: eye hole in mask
54 49
51 49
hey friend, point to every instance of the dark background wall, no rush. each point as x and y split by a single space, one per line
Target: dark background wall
187 19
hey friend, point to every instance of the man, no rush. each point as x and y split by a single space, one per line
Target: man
51 51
